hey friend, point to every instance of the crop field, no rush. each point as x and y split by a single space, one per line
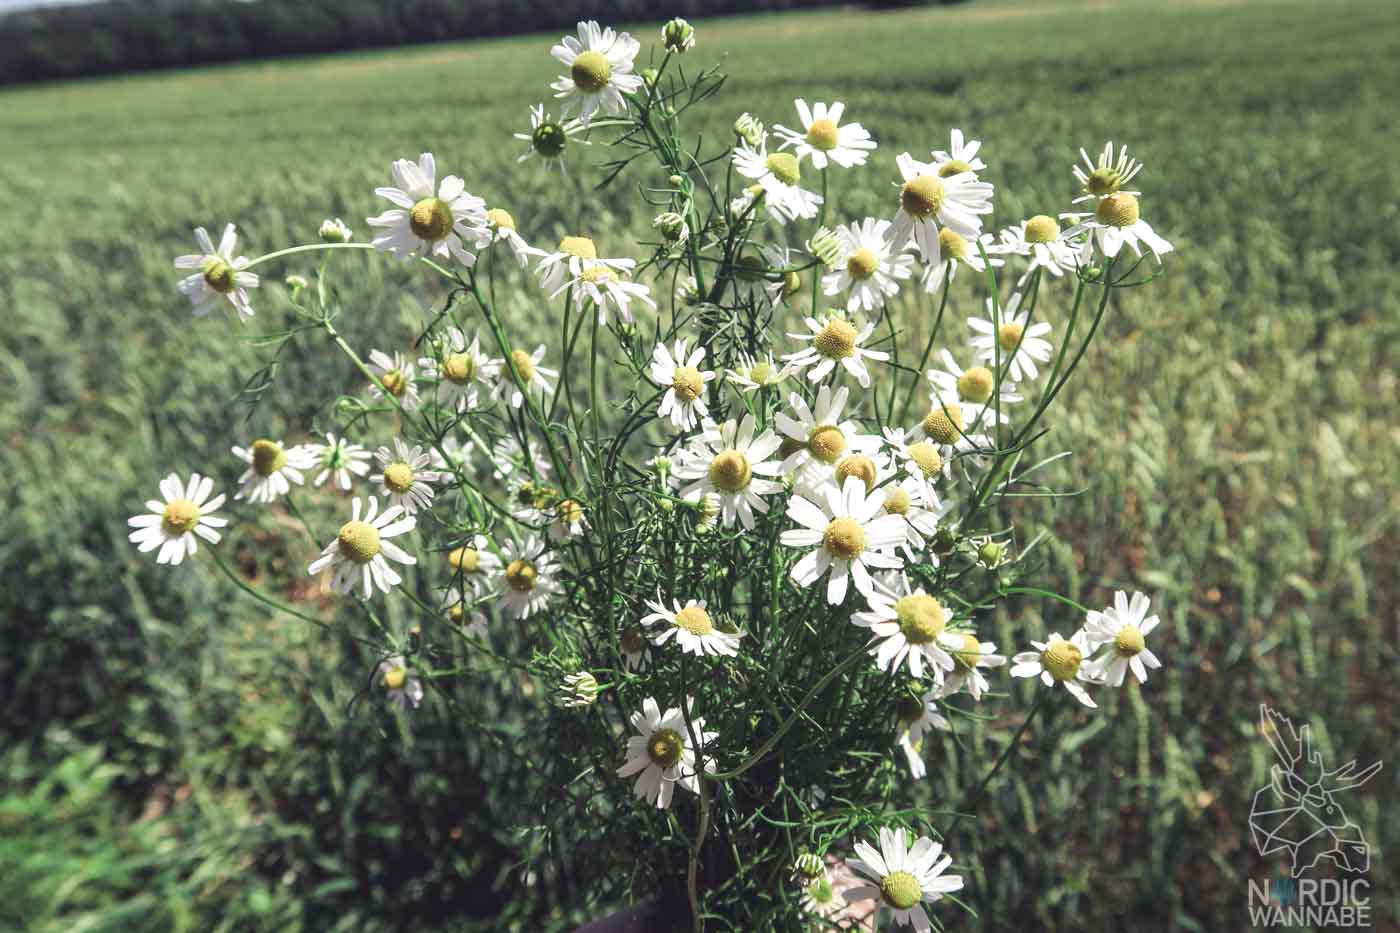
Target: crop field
175 758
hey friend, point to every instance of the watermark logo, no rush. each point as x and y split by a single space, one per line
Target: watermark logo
1299 813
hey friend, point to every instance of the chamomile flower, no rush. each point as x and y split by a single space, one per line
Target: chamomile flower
600 70
340 459
508 459
753 374
914 716
173 525
529 577
395 376
820 897
1117 222
824 139
335 231
1040 240
870 271
451 454
970 655
357 554
462 369
818 438
922 458
784 282
401 687
405 477
536 378
1107 176
1122 627
904 878
429 219
905 626
1058 660
456 606
566 520
661 754
501 226
272 468
778 175
728 462
574 255
603 284
847 534
971 388
684 381
954 250
692 627
633 642
959 157
836 341
928 200
473 566
549 138
222 276
1021 347
914 499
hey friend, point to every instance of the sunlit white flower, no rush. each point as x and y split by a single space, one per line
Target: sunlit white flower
221 276
566 265
969 656
173 525
904 878
684 402
357 554
691 626
847 534
914 499
834 341
728 462
394 375
1058 660
972 389
429 219
751 374
914 717
1107 176
340 459
549 138
959 157
501 227
603 284
928 200
1116 222
818 436
272 469
405 477
905 625
462 369
600 70
922 458
529 577
778 174
823 137
661 753
1043 243
472 566
1121 628
535 377
870 271
1020 348
955 250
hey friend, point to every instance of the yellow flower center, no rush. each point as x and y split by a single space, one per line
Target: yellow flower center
897 500
1117 210
970 652
837 340
921 618
521 576
268 457
394 382
1062 660
459 368
945 424
1042 229
591 71
457 614
823 134
465 559
954 167
665 747
695 620
358 541
501 218
792 284
783 166
730 471
827 443
218 275
862 264
598 273
926 457
952 245
975 385
569 511
430 219
922 196
860 466
394 679
760 372
398 477
180 516
524 364
901 890
687 383
844 538
1009 335
579 246
1129 641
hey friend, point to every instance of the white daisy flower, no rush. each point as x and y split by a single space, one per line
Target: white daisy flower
1021 347
1041 241
691 626
1116 222
820 897
928 200
970 388
462 369
872 469
751 374
549 138
335 231
684 402
507 459
969 655
221 275
823 137
429 219
536 377
567 264
395 374
836 341
272 469
818 438
401 688
1122 628
529 577
405 478
601 283
952 251
847 534
728 462
357 555
778 175
914 717
1058 660
914 499
600 70
566 521
905 626
456 606
473 566
661 755
340 459
923 459
1106 176
959 157
173 525
501 227
870 271
905 879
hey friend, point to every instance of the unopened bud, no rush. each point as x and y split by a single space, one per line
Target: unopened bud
749 129
678 36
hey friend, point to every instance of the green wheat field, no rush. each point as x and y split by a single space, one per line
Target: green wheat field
172 758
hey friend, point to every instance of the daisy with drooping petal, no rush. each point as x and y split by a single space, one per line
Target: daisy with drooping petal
959 157
462 369
871 272
602 283
969 654
574 256
751 374
914 717
272 469
401 688
404 476
221 275
600 70
923 459
661 754
1021 347
357 555
549 138
914 499
456 606
823 137
691 626
429 219
728 462
1122 628
1117 222
340 459
529 577
1041 241
395 376
954 250
633 642
905 625
1107 176
970 388
820 897
173 525
1058 660
847 534
928 200
836 341
473 566
684 402
818 439
904 878
778 175
535 377
501 226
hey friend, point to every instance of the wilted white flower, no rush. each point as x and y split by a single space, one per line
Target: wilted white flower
1107 176
954 250
577 690
500 225
548 138
401 688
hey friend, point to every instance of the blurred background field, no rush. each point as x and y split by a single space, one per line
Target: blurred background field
173 758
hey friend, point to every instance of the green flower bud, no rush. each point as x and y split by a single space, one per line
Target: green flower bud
678 36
